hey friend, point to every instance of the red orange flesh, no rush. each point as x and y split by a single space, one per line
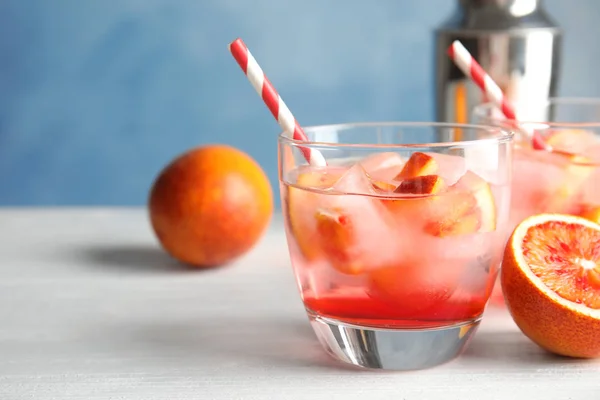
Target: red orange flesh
418 164
427 184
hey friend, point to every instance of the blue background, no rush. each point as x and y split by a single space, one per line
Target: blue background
96 96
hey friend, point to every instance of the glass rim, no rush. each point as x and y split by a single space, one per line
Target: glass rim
582 101
500 135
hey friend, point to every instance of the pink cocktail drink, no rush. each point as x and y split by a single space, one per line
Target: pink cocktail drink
367 253
555 181
405 241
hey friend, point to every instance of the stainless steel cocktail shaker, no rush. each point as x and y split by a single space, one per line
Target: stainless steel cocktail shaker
515 41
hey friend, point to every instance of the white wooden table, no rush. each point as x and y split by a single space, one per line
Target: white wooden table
91 308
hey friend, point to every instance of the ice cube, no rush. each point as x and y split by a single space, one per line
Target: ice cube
383 166
354 181
545 182
451 168
592 153
591 186
427 273
487 161
574 141
356 230
318 279
459 251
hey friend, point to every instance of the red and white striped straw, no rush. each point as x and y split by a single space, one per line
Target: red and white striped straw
273 101
471 68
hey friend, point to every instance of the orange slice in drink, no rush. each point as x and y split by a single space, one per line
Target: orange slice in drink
426 184
485 205
419 164
577 170
455 214
302 205
337 235
551 282
355 236
346 229
571 140
466 207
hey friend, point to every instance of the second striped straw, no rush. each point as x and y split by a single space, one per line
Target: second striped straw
471 68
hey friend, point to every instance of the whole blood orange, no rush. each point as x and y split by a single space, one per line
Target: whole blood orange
551 283
210 205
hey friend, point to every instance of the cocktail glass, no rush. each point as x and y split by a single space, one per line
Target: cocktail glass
563 180
396 243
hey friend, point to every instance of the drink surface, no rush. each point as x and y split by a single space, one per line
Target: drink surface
394 243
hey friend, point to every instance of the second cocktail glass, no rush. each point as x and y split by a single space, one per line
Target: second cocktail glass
562 180
397 241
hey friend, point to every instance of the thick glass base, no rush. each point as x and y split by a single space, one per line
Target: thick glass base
392 349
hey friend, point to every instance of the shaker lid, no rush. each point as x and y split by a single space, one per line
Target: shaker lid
523 4
493 15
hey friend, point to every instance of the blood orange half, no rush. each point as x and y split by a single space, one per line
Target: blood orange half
551 283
